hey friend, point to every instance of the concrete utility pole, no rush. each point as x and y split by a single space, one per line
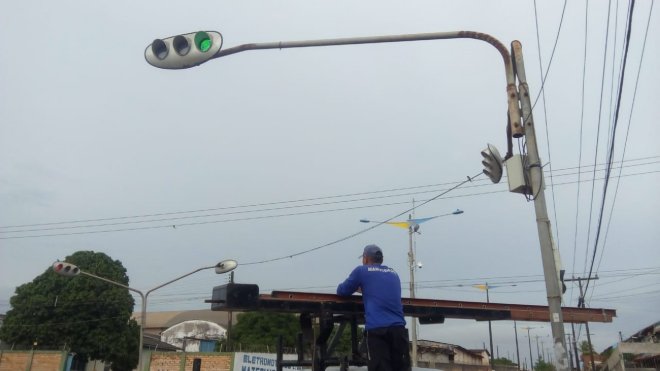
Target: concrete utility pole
515 330
586 324
411 265
575 350
529 340
542 221
490 333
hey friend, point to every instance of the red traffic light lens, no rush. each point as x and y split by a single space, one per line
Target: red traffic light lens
58 267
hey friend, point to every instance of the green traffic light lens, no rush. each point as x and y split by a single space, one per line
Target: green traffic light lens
203 41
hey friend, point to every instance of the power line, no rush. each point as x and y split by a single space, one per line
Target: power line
625 144
263 210
584 74
376 225
600 110
545 114
552 55
174 226
611 150
294 204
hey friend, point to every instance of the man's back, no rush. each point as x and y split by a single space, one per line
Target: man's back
381 292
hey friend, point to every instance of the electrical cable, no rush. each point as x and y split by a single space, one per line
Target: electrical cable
577 198
552 55
600 110
625 143
279 203
376 225
611 151
547 132
170 226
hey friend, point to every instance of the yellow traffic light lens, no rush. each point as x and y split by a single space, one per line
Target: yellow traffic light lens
181 45
203 41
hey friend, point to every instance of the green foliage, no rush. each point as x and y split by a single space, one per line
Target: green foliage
344 345
503 361
83 314
255 329
542 365
585 348
263 328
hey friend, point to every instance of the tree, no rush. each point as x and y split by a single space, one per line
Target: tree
259 329
542 365
344 344
503 361
585 348
264 328
85 315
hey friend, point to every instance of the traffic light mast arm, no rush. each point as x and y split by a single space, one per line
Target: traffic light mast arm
512 93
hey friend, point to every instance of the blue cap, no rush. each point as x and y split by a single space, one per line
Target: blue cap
372 251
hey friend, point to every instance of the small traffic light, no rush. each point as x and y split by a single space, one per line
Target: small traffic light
183 51
492 162
66 269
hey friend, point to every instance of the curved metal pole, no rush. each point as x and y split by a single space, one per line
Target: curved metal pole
144 297
143 314
511 89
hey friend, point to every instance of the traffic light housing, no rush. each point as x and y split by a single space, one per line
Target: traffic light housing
66 269
235 296
183 51
493 165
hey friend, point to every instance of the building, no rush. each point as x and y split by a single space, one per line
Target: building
450 357
191 331
641 351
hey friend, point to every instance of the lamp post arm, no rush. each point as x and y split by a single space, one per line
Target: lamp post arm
178 278
112 282
143 314
512 91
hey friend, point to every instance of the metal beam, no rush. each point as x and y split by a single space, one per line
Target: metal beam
427 310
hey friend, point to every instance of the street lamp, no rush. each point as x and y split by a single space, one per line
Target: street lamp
176 52
412 225
71 270
487 288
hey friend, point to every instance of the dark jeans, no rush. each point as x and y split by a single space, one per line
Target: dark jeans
388 349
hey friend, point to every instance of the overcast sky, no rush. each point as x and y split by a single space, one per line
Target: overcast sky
265 154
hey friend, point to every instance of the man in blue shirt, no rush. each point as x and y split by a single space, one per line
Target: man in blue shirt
385 331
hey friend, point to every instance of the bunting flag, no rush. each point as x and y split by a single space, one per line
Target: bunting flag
484 287
410 222
404 225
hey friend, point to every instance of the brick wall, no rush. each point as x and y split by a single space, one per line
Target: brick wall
41 360
184 361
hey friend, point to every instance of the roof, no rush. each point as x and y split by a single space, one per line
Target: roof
446 348
164 320
153 342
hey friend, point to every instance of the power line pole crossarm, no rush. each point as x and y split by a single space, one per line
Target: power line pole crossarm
542 221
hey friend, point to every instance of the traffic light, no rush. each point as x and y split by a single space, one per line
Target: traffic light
235 296
183 51
492 162
66 269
